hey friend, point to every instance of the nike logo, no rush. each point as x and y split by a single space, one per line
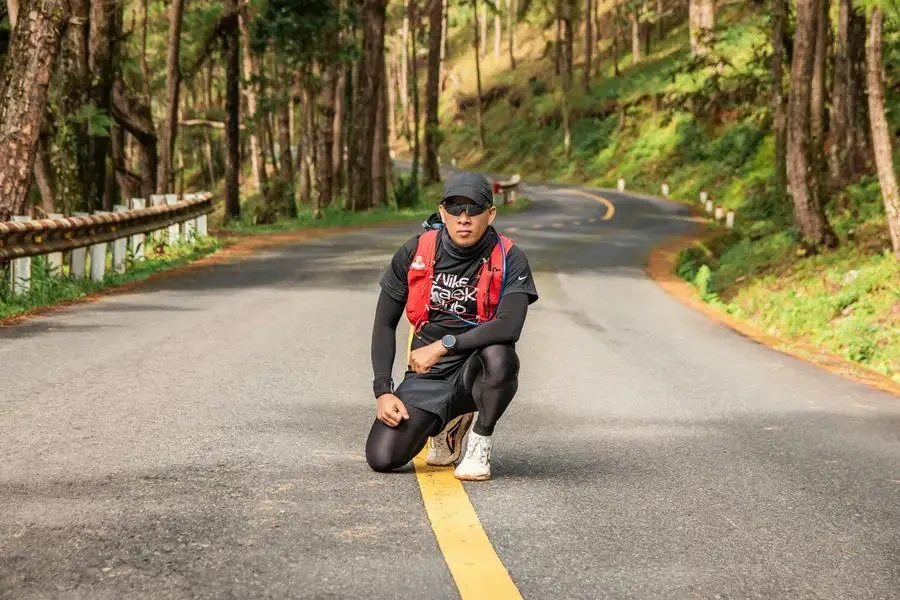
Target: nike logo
523 277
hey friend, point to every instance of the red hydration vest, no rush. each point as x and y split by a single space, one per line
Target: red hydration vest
421 276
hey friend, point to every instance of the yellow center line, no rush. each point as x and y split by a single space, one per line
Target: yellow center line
474 565
610 208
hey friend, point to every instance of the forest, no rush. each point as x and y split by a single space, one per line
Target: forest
298 105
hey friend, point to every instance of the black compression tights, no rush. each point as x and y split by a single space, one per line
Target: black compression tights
491 377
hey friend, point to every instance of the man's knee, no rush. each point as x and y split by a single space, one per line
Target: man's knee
501 364
381 454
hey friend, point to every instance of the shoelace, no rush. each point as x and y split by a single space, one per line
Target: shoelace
478 449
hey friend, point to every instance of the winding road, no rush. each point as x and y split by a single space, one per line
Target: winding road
203 437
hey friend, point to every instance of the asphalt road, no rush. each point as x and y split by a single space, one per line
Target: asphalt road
203 438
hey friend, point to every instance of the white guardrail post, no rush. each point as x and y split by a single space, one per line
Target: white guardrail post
78 258
137 240
172 199
98 257
55 259
120 247
21 269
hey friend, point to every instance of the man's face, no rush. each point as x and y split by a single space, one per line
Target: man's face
465 227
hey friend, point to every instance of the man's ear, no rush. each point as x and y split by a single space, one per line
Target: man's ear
443 213
492 214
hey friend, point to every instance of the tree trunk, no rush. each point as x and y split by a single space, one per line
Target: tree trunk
340 104
366 101
817 114
404 70
43 174
286 167
432 137
232 117
379 152
702 17
137 120
635 37
617 36
660 32
839 117
779 108
497 32
881 135
173 87
35 43
511 20
483 40
445 45
478 81
102 57
557 50
588 44
414 77
803 174
257 121
12 7
568 47
325 133
392 99
862 155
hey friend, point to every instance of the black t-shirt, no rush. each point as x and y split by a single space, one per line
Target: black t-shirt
453 293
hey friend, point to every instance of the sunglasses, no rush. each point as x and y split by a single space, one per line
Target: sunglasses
473 210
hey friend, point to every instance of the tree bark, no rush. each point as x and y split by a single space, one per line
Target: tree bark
511 20
432 137
478 106
617 35
102 56
366 101
817 115
862 155
173 87
803 174
483 40
286 166
35 43
404 70
379 151
325 153
12 7
568 47
232 117
497 32
702 17
414 79
881 135
588 44
779 106
340 111
251 94
635 37
43 174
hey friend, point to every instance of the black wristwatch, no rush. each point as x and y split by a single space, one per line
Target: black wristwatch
449 342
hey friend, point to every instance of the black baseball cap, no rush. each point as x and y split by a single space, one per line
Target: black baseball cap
473 186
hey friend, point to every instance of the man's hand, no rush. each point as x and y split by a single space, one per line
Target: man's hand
423 359
391 410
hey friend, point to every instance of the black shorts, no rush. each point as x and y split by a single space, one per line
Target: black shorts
442 392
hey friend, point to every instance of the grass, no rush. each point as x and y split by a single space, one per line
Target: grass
48 289
700 129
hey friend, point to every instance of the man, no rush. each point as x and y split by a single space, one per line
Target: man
465 290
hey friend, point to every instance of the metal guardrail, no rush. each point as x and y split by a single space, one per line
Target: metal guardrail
24 238
508 188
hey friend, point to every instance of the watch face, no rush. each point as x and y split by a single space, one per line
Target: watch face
449 341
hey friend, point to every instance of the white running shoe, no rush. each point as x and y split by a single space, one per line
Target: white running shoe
476 465
444 448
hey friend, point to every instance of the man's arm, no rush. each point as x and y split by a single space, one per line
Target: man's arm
384 342
505 328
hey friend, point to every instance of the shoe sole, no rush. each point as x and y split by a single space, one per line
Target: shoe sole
451 430
473 477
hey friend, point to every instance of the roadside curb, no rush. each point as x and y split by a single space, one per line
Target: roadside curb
660 266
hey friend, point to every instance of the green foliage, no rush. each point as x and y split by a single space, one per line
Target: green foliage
406 193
